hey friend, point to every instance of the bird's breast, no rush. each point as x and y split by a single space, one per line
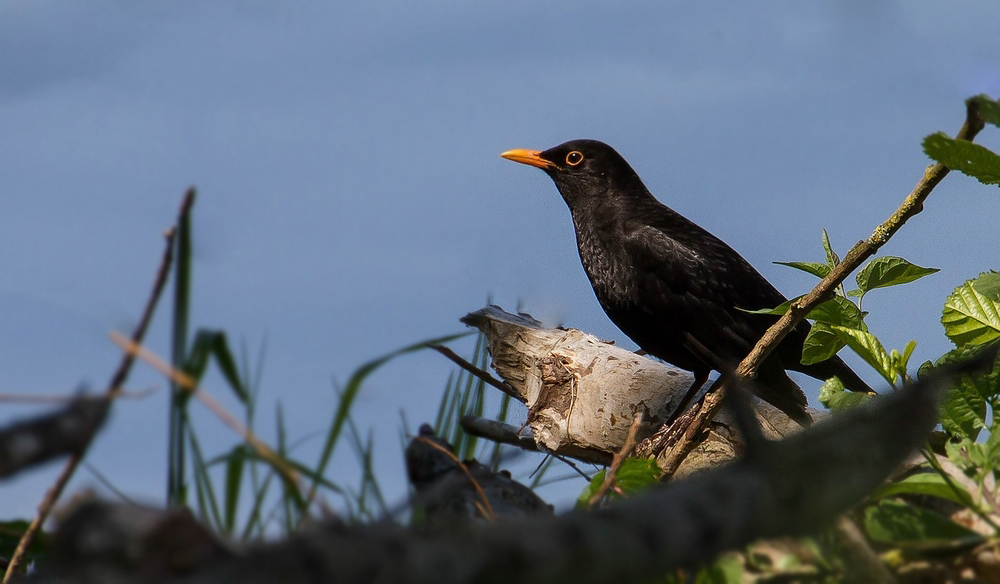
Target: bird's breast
608 267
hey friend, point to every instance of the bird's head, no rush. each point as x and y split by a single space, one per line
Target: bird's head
583 170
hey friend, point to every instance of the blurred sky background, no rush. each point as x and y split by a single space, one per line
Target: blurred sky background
352 201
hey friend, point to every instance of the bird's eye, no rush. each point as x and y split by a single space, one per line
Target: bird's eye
574 158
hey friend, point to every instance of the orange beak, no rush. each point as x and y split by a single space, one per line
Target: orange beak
531 157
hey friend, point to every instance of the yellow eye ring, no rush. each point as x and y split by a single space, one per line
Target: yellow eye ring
574 158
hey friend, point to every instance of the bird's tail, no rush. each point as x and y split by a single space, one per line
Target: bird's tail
834 366
775 387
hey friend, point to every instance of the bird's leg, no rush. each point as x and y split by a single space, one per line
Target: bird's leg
700 377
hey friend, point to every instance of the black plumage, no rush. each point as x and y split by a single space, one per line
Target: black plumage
664 280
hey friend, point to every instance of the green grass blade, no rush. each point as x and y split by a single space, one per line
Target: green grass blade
203 481
350 392
235 463
495 455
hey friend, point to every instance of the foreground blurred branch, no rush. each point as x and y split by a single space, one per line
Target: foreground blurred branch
114 388
66 431
789 487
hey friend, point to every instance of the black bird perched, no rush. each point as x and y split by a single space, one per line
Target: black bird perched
664 280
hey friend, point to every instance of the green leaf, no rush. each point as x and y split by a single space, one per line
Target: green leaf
889 271
904 360
898 523
234 480
925 483
834 397
815 268
212 343
970 316
776 311
832 259
988 284
837 310
965 157
583 501
350 392
992 447
638 474
11 532
869 348
963 413
634 476
964 407
821 343
989 109
726 570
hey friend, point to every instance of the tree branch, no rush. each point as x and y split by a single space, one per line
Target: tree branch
861 251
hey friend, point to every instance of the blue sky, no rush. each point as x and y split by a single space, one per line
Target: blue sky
352 200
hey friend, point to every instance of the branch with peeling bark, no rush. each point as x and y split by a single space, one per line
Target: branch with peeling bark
582 393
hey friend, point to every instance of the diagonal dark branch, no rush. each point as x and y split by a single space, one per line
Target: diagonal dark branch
611 474
114 388
863 250
476 371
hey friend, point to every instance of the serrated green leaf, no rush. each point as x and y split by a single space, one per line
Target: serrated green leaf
988 284
889 271
925 483
898 523
992 447
971 317
832 259
989 109
815 268
833 395
964 156
956 452
638 474
869 348
963 412
583 501
837 310
964 407
855 293
634 476
821 343
776 311
726 570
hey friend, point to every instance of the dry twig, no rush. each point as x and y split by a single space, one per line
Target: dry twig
616 463
863 250
114 389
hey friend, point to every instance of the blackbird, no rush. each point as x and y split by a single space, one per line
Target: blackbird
670 285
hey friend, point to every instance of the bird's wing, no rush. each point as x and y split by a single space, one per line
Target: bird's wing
701 289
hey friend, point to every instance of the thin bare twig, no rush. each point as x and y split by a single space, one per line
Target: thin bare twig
479 373
189 385
485 508
863 250
616 463
19 398
114 390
